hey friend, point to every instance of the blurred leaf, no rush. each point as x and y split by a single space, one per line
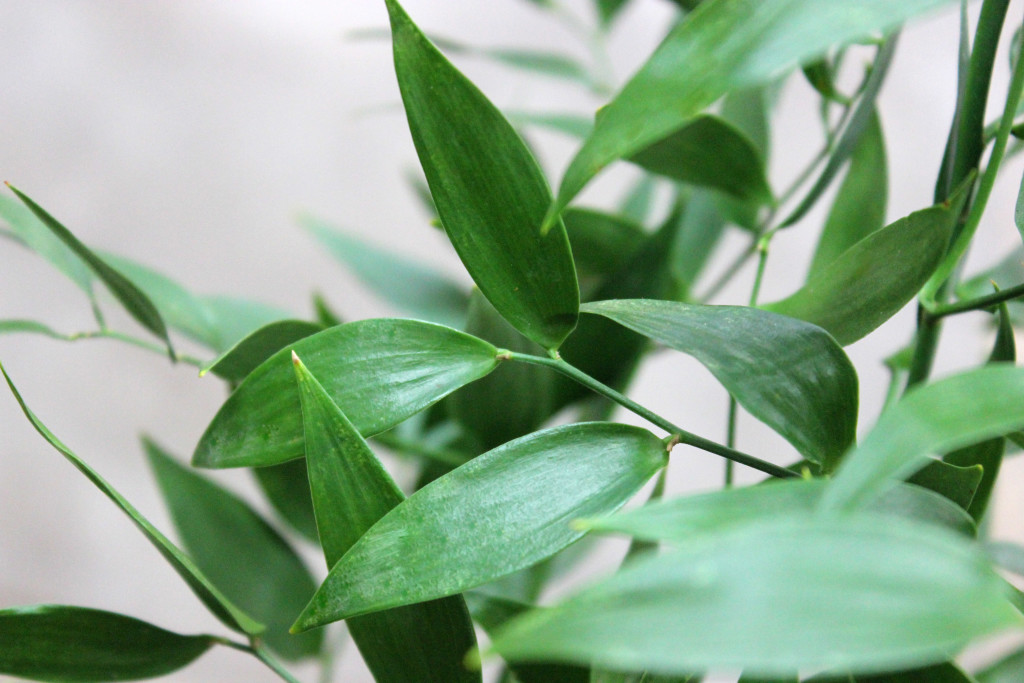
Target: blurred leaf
351 491
215 601
286 487
238 550
246 355
602 243
872 280
935 418
135 302
790 375
957 483
490 193
820 75
1006 273
608 10
498 513
933 594
636 206
236 318
405 283
61 643
709 152
324 314
36 236
1009 669
726 46
750 111
571 124
699 233
859 207
380 372
30 327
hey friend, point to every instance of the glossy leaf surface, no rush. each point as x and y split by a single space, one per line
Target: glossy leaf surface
726 45
351 491
789 374
62 643
933 593
490 194
238 549
379 372
247 354
498 513
215 601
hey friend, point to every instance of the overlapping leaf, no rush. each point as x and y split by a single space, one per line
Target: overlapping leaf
247 354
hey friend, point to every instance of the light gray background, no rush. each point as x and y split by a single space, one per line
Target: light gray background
188 134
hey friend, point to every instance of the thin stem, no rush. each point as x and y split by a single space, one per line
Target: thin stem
730 440
264 656
682 435
982 302
134 341
730 272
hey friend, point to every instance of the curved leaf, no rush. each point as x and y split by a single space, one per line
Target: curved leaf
379 372
37 237
247 354
787 373
62 643
489 192
498 513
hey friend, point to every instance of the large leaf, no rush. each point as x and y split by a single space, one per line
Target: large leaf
498 513
726 45
237 549
379 372
215 601
859 593
351 491
247 354
489 192
935 418
410 285
872 280
787 373
62 643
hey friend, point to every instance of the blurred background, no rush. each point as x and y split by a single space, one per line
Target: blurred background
189 135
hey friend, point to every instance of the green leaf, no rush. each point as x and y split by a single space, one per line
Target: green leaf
490 194
859 207
609 9
700 231
946 672
215 601
872 280
131 297
710 152
957 483
235 318
573 125
1009 669
766 596
637 204
679 520
1006 273
62 643
602 243
40 239
246 355
409 285
238 550
379 372
935 418
351 491
727 45
30 327
286 487
498 513
787 373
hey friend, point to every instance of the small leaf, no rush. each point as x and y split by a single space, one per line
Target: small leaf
409 285
238 550
131 297
215 601
286 487
62 643
766 596
872 280
246 355
709 152
30 327
498 513
958 484
490 194
935 418
789 374
379 372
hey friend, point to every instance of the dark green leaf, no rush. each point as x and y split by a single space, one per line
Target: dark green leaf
859 207
61 643
758 594
131 297
709 152
608 10
1009 669
498 513
725 46
789 374
40 239
215 601
490 194
236 363
872 280
601 243
958 484
351 491
409 285
379 372
935 418
286 487
238 550
820 74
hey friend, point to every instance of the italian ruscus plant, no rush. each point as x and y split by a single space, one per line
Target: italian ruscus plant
863 555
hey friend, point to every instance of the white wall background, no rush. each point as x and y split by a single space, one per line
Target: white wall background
188 134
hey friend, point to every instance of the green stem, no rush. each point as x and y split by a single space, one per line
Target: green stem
982 302
683 436
730 440
257 650
134 341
